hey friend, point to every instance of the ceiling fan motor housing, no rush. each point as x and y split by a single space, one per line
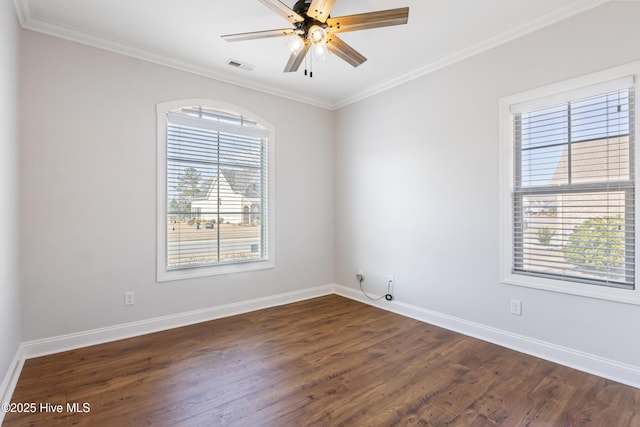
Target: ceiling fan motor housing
301 7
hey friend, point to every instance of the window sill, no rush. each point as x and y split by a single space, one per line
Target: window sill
628 296
217 270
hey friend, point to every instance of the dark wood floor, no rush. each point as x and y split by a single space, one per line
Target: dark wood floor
328 361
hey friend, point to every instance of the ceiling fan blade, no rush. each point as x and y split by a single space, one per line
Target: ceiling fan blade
296 58
341 49
320 9
259 35
362 21
283 10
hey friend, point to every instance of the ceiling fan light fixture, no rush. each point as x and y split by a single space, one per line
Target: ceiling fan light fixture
320 50
317 35
296 44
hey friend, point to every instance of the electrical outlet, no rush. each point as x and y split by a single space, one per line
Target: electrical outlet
390 282
360 275
516 307
129 298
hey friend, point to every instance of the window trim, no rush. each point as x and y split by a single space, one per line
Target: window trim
591 82
164 275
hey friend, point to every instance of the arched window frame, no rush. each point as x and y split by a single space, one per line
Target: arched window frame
166 272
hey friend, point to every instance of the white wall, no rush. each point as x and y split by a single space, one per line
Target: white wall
88 185
10 328
417 187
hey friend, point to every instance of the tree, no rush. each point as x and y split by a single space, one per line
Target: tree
174 206
545 234
597 244
188 186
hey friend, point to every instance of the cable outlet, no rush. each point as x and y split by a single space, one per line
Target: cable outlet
516 307
129 298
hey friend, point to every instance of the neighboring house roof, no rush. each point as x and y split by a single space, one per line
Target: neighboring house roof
597 160
592 161
243 182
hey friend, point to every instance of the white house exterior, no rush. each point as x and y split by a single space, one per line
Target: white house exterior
233 197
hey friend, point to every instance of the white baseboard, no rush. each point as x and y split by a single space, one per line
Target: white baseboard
600 366
10 380
73 341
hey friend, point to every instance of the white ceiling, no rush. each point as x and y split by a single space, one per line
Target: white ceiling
186 34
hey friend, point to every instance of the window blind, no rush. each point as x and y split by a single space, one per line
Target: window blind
216 189
574 192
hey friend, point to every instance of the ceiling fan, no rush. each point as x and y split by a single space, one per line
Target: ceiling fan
313 26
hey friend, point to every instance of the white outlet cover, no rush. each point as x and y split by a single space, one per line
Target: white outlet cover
516 307
129 298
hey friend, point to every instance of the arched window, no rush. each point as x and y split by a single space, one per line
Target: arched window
213 160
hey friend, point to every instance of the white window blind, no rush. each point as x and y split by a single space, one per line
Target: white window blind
574 192
216 189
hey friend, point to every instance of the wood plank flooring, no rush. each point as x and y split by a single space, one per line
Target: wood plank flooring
328 361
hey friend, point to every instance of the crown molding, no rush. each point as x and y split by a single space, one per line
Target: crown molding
543 20
29 23
22 11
